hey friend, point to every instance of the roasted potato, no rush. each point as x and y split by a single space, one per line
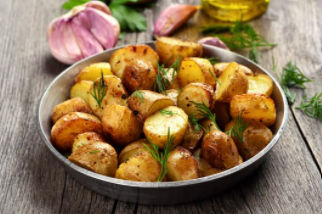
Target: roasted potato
222 114
120 124
99 157
173 95
181 165
219 150
196 69
124 56
209 125
192 137
81 90
221 66
169 49
139 74
86 138
254 138
156 126
204 167
141 167
133 149
69 126
149 102
115 94
73 105
172 78
254 107
260 83
94 71
195 92
232 82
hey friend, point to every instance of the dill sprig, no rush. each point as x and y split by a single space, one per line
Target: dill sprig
161 157
138 94
214 75
99 90
213 60
238 128
93 152
166 112
204 111
195 121
313 106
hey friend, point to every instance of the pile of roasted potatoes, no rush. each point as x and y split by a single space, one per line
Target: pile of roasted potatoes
217 115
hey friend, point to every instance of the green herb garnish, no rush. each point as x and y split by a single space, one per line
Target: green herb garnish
260 190
73 3
214 75
93 152
166 112
138 94
313 106
238 128
195 121
204 111
213 60
99 90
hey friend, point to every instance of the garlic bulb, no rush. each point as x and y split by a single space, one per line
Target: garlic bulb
84 31
214 41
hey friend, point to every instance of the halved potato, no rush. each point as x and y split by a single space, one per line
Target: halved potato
205 169
196 69
255 107
141 167
133 149
222 114
196 92
81 89
69 126
169 49
120 124
191 138
124 56
232 82
150 102
173 94
156 126
115 94
221 66
94 71
172 78
181 165
73 105
86 138
260 83
99 157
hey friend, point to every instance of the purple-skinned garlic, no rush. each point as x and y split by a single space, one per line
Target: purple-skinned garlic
214 41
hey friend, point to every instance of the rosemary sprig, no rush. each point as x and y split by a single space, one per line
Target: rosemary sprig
313 106
99 90
204 111
138 94
161 157
166 112
237 130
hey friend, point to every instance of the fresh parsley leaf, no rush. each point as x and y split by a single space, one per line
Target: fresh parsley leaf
73 3
313 106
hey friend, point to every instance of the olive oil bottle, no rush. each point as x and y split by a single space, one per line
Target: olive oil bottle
233 10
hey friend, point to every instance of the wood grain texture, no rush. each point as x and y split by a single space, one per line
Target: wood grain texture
32 181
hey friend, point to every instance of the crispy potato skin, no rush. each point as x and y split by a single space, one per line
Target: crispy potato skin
120 124
73 105
196 92
124 56
232 82
133 149
222 114
141 167
69 126
81 90
170 48
209 124
255 137
156 126
205 169
255 107
173 95
115 94
86 138
139 74
93 71
151 103
221 66
191 138
219 150
260 83
181 165
99 157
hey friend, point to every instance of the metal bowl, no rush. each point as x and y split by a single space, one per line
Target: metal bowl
155 193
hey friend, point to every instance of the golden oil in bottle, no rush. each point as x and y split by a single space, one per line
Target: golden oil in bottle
233 10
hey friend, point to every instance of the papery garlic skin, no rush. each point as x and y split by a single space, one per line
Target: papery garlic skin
214 41
172 18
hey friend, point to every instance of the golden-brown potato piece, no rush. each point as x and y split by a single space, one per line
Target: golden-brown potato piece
115 94
192 137
133 149
255 137
69 126
148 103
260 83
141 167
221 66
120 124
170 48
172 78
86 138
255 107
222 114
99 157
219 150
205 169
94 71
73 105
124 56
209 125
139 74
81 90
196 70
181 165
156 126
195 92
173 94
232 82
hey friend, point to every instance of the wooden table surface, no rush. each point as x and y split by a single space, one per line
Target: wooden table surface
32 181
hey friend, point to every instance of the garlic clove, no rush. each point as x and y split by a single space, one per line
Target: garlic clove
214 41
99 6
172 18
71 44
